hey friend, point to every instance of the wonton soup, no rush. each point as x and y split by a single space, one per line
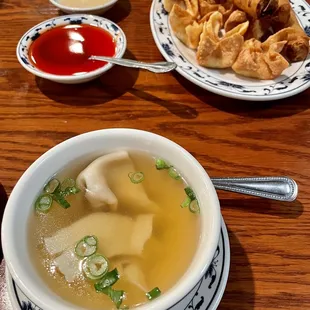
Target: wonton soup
116 232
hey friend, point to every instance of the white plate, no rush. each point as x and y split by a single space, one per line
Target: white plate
225 82
206 295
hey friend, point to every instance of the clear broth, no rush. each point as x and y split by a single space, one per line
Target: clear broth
166 255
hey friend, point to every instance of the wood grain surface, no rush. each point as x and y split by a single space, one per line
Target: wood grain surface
270 241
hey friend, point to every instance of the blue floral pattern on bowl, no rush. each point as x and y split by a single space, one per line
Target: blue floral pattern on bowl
293 80
206 295
75 19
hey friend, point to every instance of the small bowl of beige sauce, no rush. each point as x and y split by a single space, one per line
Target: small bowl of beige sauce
95 7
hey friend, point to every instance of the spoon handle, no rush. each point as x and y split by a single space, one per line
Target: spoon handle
156 67
276 188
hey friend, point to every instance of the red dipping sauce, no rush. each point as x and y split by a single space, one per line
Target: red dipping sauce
65 50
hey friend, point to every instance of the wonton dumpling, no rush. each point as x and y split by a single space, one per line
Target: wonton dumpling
68 263
260 29
215 52
236 18
117 234
168 4
207 8
184 26
254 61
106 184
191 6
135 275
281 17
297 46
129 267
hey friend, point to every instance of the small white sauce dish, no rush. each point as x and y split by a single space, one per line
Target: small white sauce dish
96 143
22 50
95 10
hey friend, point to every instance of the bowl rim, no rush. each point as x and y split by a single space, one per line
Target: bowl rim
88 9
78 77
174 294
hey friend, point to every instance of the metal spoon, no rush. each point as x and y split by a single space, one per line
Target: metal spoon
156 67
276 188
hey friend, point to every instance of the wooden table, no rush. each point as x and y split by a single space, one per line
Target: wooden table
270 241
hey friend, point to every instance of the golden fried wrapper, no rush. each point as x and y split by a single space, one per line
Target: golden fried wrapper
240 29
184 26
297 46
216 52
168 4
236 18
281 16
192 7
257 8
256 62
259 29
225 8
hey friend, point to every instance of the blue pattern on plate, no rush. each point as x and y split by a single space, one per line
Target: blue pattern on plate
201 297
77 19
243 88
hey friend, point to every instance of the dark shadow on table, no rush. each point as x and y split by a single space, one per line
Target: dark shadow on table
117 13
3 201
240 290
111 85
288 210
261 110
177 108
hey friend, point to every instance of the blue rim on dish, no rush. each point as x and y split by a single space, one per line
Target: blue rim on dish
225 82
74 19
206 295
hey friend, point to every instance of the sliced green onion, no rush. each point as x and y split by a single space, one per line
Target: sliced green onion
161 164
154 293
51 186
83 249
70 191
95 266
91 240
136 177
186 202
190 193
43 203
130 174
115 295
61 200
108 280
194 206
67 183
174 174
68 187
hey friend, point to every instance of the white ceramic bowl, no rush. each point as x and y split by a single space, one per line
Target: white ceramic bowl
20 206
32 34
96 10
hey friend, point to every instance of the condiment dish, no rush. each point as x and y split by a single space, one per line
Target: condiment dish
20 205
95 10
24 45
